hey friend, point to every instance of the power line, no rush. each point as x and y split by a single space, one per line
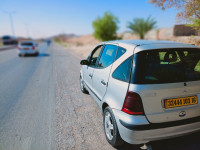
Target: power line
27 30
10 13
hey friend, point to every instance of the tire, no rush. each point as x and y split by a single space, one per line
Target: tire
35 54
110 128
20 55
82 86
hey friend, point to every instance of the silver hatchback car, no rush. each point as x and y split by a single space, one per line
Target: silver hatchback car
146 90
27 48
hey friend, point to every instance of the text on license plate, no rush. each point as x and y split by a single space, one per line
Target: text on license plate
178 102
26 48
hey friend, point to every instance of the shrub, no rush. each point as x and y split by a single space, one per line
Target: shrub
105 27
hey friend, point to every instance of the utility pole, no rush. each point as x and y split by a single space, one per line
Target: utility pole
10 13
27 30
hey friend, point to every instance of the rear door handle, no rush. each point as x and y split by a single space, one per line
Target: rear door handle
90 75
103 82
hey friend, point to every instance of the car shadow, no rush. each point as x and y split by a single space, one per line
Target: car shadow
43 55
39 55
188 142
127 146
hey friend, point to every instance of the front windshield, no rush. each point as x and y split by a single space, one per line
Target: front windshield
6 37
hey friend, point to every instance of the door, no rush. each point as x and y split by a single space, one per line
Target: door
102 72
88 70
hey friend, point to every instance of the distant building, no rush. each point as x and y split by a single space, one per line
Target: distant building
183 30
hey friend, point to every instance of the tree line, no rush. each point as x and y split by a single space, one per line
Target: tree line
105 28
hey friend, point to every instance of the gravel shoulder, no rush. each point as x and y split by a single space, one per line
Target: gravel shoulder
78 119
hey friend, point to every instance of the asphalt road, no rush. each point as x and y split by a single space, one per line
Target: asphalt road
27 106
42 108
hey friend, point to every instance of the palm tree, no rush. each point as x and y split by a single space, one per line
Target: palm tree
141 26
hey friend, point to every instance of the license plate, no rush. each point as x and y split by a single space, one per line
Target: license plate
178 102
26 48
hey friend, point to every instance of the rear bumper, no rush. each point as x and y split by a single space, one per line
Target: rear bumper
28 52
137 130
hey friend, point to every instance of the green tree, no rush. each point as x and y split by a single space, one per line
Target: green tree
189 10
141 26
105 27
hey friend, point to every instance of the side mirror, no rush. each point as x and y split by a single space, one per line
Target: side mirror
84 62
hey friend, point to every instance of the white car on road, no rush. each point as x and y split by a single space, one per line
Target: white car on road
27 48
147 90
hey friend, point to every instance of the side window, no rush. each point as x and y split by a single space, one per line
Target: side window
123 71
107 56
120 52
94 56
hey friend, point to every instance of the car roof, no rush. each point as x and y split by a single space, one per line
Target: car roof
145 42
27 42
150 44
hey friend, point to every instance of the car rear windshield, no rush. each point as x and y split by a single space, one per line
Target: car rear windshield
27 44
166 66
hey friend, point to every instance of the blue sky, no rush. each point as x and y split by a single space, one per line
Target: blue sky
50 17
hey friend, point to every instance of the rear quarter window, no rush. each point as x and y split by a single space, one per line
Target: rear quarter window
122 72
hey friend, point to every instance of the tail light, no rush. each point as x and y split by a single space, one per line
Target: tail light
133 104
18 47
33 47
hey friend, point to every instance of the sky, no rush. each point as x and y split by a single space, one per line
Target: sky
44 18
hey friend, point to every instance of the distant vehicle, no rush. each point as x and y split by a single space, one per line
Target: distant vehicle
27 48
9 40
48 42
147 90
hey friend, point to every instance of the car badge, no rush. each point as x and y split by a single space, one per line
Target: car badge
182 114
